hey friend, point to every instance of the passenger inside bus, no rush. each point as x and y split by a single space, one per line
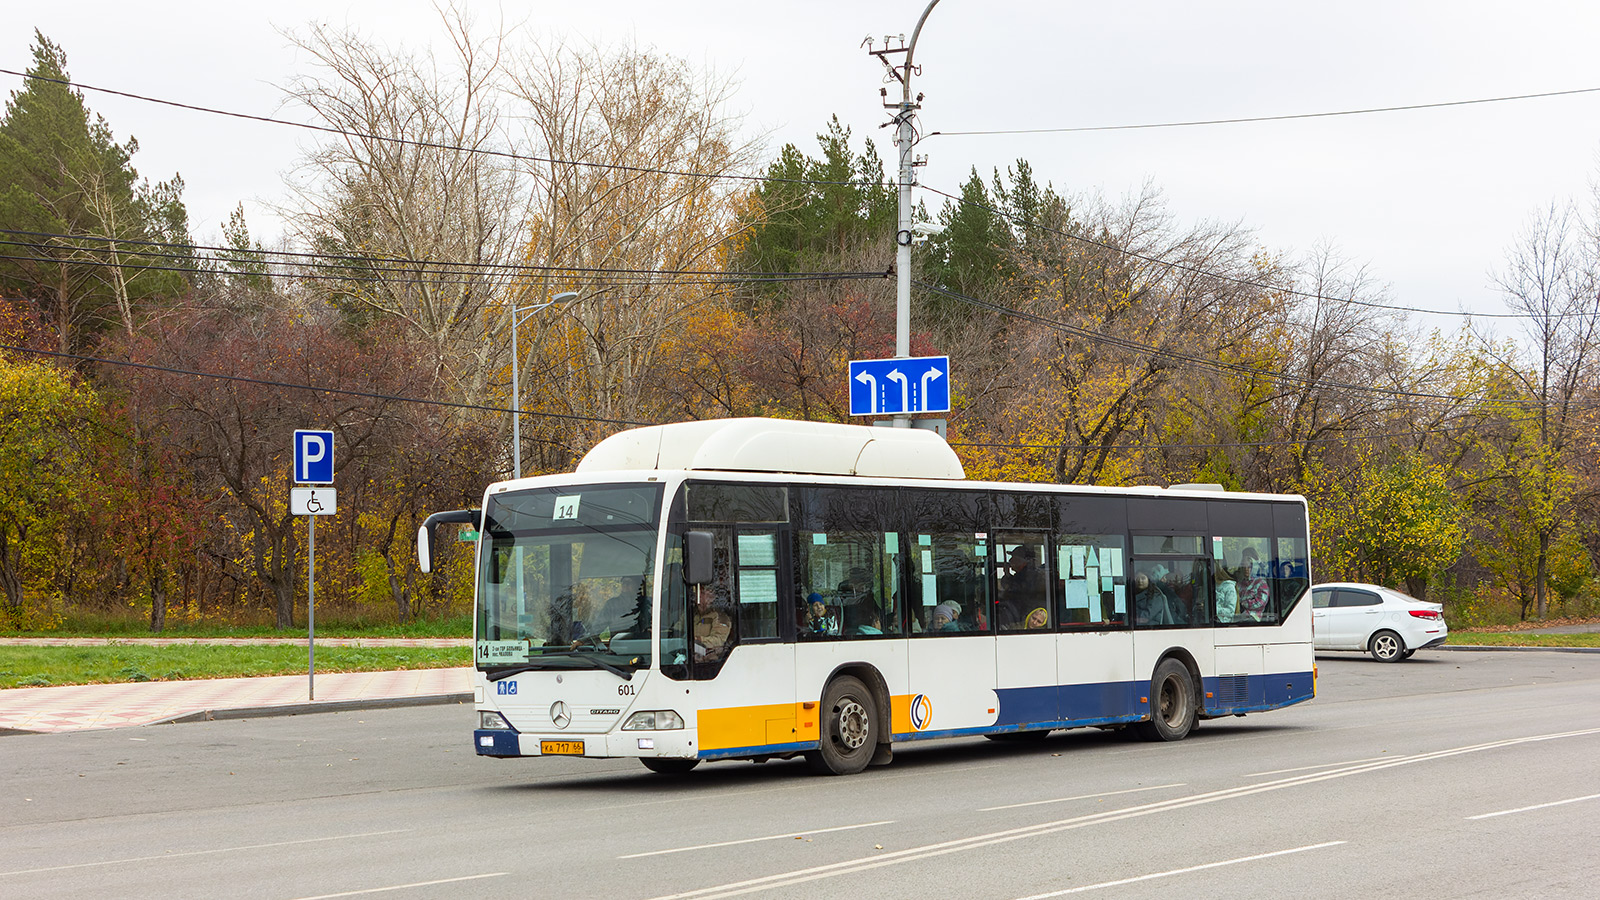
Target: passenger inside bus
943 618
1151 603
871 621
819 619
1254 593
713 626
1022 588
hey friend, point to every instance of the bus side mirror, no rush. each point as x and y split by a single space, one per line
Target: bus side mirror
697 553
424 550
426 536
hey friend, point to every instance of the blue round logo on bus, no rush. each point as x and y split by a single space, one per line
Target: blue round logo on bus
921 712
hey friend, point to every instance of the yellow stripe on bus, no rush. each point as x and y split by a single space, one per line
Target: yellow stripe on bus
758 726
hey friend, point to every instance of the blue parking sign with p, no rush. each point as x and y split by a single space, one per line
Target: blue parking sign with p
313 457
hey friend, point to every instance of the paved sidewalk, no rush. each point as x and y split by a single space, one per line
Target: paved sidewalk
83 707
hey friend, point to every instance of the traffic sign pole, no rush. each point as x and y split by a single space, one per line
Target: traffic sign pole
311 607
313 464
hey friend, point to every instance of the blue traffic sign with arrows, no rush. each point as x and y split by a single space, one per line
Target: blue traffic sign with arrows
916 384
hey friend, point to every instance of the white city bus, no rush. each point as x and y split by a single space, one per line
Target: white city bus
760 588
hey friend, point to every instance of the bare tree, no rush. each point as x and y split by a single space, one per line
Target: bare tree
415 196
626 153
1553 279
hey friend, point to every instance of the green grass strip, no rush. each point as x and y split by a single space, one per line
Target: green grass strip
118 663
1523 639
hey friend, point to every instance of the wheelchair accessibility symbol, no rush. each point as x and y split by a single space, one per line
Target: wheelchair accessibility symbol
318 501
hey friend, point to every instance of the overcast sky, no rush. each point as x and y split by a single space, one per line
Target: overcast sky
1430 200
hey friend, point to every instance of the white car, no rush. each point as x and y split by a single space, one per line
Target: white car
1382 621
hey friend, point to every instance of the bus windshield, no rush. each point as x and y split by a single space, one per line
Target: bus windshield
565 577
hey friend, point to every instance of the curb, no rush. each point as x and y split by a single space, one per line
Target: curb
1497 648
326 706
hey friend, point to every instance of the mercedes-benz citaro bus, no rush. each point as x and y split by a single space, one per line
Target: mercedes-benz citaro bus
760 589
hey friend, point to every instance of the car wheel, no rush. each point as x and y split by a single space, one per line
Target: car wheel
849 729
1386 646
1173 709
662 765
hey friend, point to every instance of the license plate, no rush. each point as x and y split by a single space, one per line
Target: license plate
561 748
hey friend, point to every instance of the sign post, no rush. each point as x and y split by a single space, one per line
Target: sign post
313 464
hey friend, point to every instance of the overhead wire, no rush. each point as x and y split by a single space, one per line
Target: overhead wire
762 178
360 264
289 385
1195 270
1199 361
435 145
1238 120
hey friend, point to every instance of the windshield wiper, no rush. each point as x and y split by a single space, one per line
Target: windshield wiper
533 666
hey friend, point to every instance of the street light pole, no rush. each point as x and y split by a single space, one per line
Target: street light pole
516 381
904 141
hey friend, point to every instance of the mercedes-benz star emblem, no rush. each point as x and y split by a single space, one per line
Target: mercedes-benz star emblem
559 714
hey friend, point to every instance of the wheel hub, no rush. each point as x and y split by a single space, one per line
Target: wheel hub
852 724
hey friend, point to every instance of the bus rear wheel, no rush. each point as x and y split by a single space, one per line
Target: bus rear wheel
849 729
1173 709
666 765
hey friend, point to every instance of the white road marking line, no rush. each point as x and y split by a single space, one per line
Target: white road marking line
1507 812
1185 871
402 887
136 859
784 879
1348 762
1083 797
770 837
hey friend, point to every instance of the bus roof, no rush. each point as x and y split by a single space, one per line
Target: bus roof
777 445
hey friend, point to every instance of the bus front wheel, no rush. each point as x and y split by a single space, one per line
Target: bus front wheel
849 729
1173 709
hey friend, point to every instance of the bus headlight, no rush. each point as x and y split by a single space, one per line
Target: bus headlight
653 720
489 720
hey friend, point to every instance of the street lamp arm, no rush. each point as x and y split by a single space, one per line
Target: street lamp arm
911 49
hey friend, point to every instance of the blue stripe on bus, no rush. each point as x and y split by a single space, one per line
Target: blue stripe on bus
758 750
503 743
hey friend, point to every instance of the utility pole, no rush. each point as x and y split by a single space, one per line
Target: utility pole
905 141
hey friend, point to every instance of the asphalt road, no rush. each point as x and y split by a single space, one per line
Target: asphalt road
1454 774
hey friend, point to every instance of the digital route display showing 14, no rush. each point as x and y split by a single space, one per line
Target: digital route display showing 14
914 384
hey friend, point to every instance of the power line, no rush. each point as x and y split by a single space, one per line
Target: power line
1195 270
639 281
433 145
287 385
413 267
1202 362
1278 118
1221 445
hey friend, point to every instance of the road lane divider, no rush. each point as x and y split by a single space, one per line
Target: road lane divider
1137 790
1184 871
188 853
405 887
914 854
756 840
1507 812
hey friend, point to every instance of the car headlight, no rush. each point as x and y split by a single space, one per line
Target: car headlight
489 720
653 720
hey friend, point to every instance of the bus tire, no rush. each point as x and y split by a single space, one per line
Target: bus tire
849 733
1173 708
667 765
